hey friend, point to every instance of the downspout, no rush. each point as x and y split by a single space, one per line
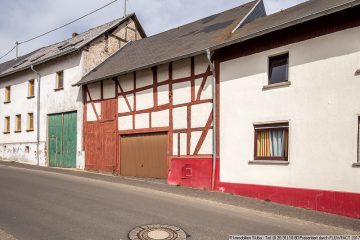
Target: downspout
37 114
208 54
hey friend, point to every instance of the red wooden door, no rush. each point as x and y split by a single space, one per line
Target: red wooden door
100 139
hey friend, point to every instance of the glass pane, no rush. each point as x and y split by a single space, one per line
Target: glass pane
278 69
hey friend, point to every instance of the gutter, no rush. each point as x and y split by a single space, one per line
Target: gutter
38 76
214 152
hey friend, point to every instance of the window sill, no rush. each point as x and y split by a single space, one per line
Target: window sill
6 132
29 97
58 89
30 130
269 162
7 102
357 165
276 85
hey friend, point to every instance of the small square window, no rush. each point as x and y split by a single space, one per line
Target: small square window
30 125
7 94
278 69
31 88
7 125
59 80
18 123
271 141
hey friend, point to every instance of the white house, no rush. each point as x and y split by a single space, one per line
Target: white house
41 84
282 89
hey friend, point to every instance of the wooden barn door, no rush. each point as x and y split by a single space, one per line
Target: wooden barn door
100 139
62 140
144 155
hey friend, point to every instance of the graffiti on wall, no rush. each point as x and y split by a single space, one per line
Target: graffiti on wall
24 152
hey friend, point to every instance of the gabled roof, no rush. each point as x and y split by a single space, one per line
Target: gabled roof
186 40
213 32
297 14
64 47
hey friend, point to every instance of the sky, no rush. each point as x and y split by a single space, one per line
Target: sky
23 19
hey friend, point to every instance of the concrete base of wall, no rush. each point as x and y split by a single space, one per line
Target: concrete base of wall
24 153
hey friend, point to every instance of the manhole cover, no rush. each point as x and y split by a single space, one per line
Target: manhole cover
157 232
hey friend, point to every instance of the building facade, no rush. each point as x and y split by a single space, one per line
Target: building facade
57 141
287 119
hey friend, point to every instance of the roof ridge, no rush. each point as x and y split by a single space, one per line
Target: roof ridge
198 20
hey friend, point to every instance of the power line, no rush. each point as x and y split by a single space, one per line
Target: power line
55 29
8 52
33 38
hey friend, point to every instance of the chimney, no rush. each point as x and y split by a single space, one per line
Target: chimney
74 34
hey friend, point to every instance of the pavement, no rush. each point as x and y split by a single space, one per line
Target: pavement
49 203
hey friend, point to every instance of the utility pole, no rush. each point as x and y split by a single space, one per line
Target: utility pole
125 7
17 48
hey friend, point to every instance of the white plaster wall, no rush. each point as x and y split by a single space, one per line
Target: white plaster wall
182 68
90 111
142 120
180 118
66 100
182 144
160 119
125 123
108 89
144 99
144 78
321 105
163 94
181 93
163 72
200 114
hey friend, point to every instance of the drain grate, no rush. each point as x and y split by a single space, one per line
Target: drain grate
157 232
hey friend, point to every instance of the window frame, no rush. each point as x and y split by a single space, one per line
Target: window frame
57 80
17 123
31 84
287 69
7 126
274 126
30 116
7 94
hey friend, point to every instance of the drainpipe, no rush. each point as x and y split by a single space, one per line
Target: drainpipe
208 54
38 76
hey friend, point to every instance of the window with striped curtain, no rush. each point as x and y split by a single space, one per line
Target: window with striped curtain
271 141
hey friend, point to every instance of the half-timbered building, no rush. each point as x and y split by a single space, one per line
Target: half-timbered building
239 102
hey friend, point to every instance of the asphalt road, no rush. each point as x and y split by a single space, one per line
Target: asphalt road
38 205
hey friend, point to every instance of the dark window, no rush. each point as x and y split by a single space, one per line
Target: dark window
271 141
59 80
278 68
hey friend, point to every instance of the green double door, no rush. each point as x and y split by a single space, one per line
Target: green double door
62 140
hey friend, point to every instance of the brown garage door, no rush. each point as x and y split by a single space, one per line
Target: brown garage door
144 155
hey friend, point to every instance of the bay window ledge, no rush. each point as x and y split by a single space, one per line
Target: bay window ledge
269 162
276 85
356 165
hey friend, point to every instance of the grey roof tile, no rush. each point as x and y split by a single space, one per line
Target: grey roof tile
177 42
